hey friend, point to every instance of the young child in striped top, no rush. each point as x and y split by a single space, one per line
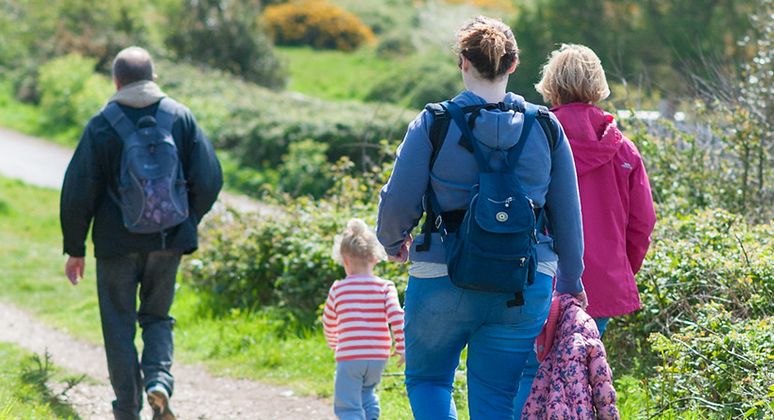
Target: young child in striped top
358 314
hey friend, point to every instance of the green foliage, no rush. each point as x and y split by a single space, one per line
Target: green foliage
383 16
417 82
677 42
702 269
283 261
719 364
395 46
70 91
258 125
41 30
316 23
305 169
25 387
226 35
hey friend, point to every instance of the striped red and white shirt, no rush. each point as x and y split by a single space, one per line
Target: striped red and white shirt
357 316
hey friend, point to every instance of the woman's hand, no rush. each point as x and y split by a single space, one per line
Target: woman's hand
403 253
584 301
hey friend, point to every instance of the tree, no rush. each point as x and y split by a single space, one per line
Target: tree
659 44
225 34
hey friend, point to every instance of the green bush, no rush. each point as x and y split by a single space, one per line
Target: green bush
257 125
305 169
226 35
70 91
382 16
395 46
283 261
316 23
416 82
97 89
711 256
717 364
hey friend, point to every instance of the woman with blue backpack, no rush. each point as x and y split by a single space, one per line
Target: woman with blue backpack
495 178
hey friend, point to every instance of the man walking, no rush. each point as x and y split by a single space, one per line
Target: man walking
145 174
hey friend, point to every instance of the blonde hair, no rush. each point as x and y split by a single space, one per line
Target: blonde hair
359 242
573 73
489 45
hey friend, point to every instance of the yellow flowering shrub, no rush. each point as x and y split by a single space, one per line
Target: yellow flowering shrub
316 23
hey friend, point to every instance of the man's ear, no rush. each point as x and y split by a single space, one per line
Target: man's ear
117 83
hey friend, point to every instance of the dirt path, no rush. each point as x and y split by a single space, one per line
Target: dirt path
198 394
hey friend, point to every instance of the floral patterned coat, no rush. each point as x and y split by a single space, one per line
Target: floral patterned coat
574 380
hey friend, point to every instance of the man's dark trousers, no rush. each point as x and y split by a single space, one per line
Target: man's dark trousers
117 282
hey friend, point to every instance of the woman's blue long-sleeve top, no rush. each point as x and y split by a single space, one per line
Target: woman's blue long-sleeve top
547 176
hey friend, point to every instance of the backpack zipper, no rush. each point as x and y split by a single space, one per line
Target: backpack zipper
507 202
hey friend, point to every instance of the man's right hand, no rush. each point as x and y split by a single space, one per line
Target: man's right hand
74 269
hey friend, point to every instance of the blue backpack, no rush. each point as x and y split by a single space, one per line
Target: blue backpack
152 192
492 247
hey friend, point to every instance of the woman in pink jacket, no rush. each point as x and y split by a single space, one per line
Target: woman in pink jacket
616 203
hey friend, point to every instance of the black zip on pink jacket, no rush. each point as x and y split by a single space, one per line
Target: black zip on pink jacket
616 204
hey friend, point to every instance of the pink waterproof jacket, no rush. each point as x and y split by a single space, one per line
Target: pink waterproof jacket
574 380
617 208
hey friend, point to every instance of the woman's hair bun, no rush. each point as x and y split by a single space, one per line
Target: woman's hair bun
493 45
489 45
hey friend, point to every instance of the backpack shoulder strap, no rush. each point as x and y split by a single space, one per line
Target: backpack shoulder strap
438 128
530 114
548 126
458 115
165 114
118 120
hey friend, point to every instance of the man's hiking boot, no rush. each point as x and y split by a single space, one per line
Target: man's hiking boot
158 398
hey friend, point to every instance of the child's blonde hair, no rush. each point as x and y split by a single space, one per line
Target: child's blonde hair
573 73
359 242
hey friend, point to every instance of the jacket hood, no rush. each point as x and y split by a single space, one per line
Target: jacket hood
495 129
593 134
139 94
545 340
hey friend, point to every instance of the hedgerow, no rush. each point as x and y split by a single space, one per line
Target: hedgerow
258 125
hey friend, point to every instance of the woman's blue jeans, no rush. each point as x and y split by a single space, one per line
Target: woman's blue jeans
441 319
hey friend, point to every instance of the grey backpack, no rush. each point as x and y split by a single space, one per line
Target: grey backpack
152 192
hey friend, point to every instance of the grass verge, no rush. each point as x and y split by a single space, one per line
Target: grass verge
24 387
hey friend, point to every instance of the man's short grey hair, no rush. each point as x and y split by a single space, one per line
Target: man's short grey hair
131 65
